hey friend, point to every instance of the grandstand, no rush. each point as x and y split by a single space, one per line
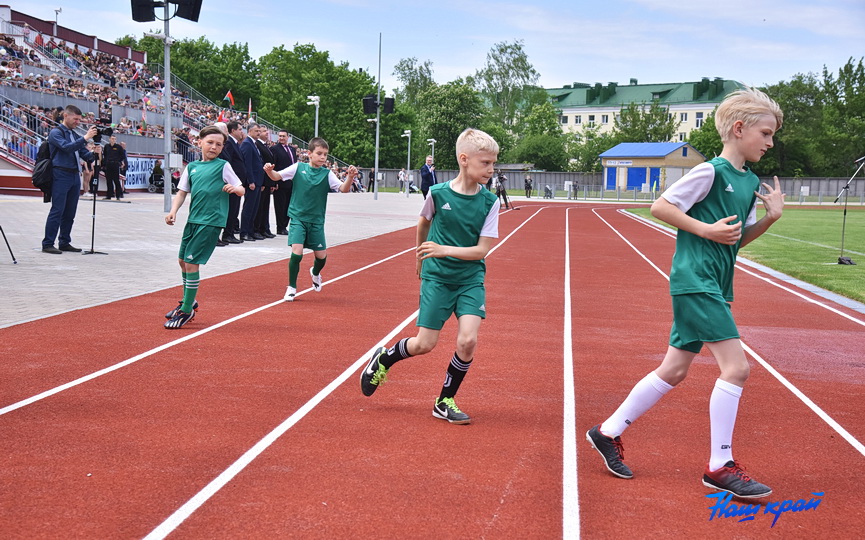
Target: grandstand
45 66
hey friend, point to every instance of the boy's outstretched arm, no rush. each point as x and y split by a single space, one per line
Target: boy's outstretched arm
175 206
722 231
773 202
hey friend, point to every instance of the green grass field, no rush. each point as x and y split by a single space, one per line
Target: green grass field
806 243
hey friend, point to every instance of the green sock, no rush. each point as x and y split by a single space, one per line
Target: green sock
318 265
189 291
293 269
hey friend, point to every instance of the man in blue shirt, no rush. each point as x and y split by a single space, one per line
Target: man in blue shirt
67 150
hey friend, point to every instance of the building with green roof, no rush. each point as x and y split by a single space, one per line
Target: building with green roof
691 103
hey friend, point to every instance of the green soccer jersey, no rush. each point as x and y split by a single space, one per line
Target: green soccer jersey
204 180
458 220
701 265
309 192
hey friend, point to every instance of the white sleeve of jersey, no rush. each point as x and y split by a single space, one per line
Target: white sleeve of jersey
183 183
229 177
429 208
333 180
491 223
752 216
691 188
288 172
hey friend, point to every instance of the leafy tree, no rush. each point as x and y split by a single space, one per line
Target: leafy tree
446 110
415 78
542 119
638 123
546 151
706 138
506 80
843 118
584 147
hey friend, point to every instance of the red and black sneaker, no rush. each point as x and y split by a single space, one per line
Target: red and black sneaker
733 479
611 450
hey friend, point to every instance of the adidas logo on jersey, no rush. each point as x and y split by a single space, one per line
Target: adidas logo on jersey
194 170
446 206
729 188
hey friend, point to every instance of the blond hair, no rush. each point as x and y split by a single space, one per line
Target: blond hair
473 140
746 105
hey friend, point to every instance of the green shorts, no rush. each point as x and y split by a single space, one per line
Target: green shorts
439 300
311 235
698 318
198 243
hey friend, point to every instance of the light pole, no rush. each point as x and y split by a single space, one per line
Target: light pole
314 100
407 133
432 143
57 12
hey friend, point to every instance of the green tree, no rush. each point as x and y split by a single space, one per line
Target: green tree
446 110
843 118
584 148
542 119
415 78
706 139
507 80
638 123
546 151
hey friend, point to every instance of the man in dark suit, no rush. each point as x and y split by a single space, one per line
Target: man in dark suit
284 156
427 176
255 174
231 154
262 220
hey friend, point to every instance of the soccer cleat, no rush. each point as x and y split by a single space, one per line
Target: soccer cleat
446 409
180 318
174 311
374 373
611 450
732 478
289 294
316 281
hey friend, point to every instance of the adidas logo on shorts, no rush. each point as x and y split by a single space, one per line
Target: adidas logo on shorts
483 308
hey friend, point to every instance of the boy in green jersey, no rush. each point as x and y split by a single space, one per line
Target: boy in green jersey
456 229
208 182
714 208
312 182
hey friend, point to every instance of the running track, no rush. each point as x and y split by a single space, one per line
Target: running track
250 423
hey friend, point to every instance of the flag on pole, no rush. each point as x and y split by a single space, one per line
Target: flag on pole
137 74
229 97
221 117
144 117
250 108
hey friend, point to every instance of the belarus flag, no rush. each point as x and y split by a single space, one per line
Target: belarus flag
229 97
221 117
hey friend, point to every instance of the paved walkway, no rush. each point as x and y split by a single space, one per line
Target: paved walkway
142 250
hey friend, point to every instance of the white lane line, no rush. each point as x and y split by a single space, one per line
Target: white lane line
832 248
570 491
796 392
179 516
151 352
739 266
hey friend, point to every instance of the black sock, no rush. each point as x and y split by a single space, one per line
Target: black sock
456 373
395 354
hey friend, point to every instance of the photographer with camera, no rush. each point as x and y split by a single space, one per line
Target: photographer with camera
67 151
113 157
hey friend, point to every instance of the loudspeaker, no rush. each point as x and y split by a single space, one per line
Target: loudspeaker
142 11
369 104
388 105
189 9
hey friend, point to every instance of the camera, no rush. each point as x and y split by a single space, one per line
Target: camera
103 127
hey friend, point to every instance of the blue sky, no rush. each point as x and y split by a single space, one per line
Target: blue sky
756 42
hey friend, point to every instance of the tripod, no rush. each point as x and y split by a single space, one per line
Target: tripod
14 261
94 187
844 191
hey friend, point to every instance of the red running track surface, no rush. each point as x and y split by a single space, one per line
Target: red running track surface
165 442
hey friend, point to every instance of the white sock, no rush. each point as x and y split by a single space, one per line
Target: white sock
723 407
643 396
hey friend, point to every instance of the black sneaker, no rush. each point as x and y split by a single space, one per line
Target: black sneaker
446 409
180 318
174 311
733 479
611 450
374 373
